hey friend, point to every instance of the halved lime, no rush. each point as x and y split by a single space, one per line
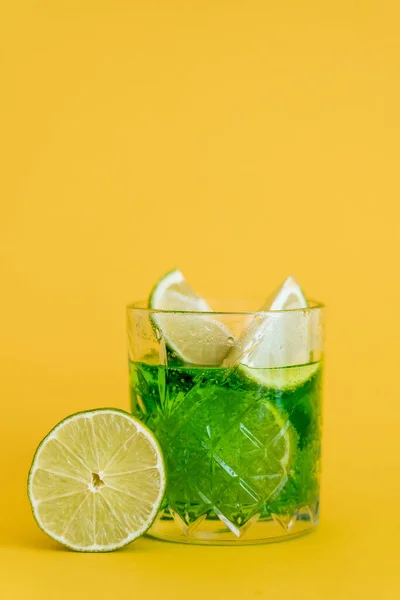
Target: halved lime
274 349
97 480
195 338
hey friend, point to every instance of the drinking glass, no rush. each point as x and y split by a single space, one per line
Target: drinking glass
240 430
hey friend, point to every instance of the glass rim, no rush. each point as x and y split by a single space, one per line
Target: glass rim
141 306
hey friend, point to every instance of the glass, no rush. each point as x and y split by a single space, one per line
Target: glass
242 444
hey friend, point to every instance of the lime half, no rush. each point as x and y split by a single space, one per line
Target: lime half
195 338
97 481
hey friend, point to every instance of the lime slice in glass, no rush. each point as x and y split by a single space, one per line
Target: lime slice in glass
97 481
195 338
282 378
290 296
274 349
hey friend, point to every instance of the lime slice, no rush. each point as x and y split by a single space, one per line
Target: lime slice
172 292
195 338
277 339
281 438
260 454
97 480
289 296
281 378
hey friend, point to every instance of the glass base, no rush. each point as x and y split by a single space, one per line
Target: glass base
208 531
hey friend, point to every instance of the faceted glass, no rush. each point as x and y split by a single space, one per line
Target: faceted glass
242 444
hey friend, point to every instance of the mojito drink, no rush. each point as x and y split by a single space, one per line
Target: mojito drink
233 448
241 443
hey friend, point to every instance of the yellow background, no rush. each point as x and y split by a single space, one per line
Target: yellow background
241 141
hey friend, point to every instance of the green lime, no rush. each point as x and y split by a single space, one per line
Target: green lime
282 378
97 480
183 319
275 348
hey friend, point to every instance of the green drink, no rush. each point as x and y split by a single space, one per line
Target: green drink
234 448
234 400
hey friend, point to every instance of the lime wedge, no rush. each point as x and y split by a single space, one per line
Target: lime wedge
277 339
97 481
282 440
262 458
289 296
282 378
195 338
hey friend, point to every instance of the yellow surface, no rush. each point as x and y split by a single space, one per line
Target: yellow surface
240 141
